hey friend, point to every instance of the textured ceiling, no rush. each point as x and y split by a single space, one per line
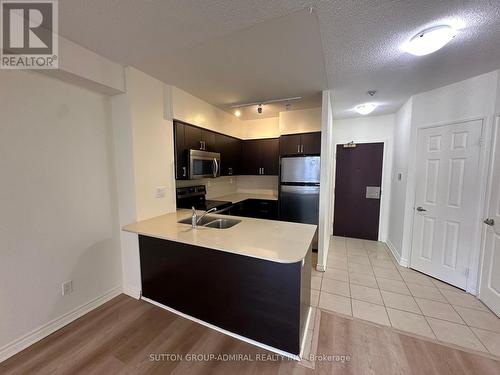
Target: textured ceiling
245 50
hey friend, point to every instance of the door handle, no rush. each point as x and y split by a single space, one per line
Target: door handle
184 171
489 222
421 209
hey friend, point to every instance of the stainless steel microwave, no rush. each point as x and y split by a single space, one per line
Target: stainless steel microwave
203 164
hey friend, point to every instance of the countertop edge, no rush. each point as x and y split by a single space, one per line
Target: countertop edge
215 248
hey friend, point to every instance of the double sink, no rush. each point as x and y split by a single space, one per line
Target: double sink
213 222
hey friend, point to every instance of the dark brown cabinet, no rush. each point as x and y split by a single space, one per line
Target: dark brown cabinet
300 144
180 154
198 139
250 157
311 143
230 153
260 157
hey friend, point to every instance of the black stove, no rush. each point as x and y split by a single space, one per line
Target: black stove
194 196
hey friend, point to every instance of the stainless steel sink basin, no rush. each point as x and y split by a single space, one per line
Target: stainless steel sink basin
207 219
222 223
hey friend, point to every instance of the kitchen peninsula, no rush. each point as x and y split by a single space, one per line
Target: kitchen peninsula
251 280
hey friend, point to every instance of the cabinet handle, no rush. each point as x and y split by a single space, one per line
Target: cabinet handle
262 170
204 145
302 148
184 171
201 145
298 149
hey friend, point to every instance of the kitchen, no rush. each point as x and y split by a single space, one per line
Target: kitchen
251 227
252 179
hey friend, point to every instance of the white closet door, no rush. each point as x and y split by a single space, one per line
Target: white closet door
446 200
489 291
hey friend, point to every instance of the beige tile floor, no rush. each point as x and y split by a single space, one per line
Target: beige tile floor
363 280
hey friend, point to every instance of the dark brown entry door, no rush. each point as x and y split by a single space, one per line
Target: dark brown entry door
358 179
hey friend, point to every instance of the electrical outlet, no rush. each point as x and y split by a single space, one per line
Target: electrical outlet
161 191
67 287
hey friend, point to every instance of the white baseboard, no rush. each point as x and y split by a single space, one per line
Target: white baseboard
132 291
320 267
39 333
402 261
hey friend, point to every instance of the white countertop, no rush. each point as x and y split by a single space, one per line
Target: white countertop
238 197
276 241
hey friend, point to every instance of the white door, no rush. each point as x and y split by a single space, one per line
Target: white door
489 290
446 200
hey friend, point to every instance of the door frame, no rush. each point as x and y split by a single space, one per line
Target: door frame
472 279
385 195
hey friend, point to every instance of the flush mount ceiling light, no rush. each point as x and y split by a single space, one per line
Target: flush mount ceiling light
365 109
430 40
237 113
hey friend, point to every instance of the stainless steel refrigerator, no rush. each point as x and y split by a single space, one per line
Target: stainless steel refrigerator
299 189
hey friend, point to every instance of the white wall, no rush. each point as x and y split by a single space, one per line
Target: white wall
300 121
58 216
145 161
327 180
261 128
190 109
474 98
402 131
369 130
85 68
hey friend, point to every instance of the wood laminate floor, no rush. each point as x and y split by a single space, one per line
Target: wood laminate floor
120 336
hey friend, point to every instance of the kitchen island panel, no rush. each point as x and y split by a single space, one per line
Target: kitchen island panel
262 300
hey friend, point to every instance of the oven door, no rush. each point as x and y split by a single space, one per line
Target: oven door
203 164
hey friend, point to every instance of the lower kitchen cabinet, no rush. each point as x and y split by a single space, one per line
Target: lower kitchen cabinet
256 208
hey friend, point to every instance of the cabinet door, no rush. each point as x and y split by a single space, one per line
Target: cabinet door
208 137
269 154
192 137
311 143
234 163
181 158
251 157
290 144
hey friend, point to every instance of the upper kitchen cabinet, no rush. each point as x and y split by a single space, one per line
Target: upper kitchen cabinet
230 154
290 144
208 140
260 157
181 157
300 144
199 139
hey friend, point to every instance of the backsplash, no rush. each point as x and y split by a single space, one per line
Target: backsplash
216 187
220 186
258 184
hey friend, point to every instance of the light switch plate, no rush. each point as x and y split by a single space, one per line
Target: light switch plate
161 191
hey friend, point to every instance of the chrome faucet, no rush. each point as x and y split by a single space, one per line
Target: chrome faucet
195 219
